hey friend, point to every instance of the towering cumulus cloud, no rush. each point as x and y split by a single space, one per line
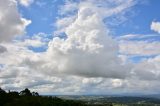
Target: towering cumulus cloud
11 22
88 49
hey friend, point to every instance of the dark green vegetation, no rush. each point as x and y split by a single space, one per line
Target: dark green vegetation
28 98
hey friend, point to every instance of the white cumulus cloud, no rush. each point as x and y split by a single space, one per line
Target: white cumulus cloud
11 22
155 26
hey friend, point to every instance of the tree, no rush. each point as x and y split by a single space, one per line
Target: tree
35 94
26 92
2 91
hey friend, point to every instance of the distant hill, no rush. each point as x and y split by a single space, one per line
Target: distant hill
128 100
153 96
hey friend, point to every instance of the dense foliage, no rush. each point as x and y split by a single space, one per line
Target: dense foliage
27 98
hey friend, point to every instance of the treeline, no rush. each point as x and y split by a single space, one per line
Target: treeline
28 98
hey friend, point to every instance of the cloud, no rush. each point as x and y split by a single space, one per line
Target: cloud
151 70
137 37
2 49
132 45
68 8
26 3
87 60
139 45
141 48
88 49
37 40
62 24
155 26
11 22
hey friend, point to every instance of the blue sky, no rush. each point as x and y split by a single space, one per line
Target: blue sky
43 17
80 46
45 13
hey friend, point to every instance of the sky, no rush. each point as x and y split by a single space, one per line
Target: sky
80 47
